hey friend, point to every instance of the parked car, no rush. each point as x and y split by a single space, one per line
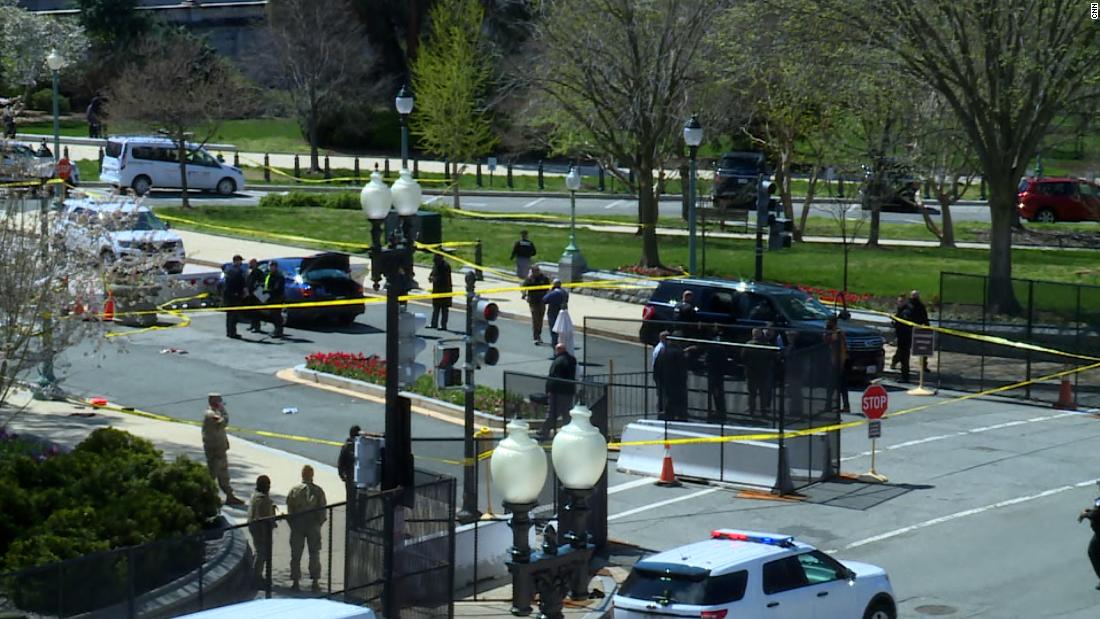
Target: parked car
322 277
751 304
896 187
19 161
1058 199
735 180
120 229
144 163
753 575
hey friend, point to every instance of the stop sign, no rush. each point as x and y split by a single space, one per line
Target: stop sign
874 402
64 169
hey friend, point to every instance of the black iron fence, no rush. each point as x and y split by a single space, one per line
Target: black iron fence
1052 317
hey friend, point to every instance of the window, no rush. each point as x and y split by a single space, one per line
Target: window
783 575
799 307
114 149
820 567
201 157
1060 189
669 584
1087 190
668 293
720 302
760 308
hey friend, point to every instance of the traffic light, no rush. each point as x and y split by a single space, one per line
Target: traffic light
409 345
764 191
445 362
485 333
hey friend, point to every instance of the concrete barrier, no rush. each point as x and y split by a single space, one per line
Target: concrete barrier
494 539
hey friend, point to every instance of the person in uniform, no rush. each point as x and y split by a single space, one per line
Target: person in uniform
215 443
305 514
671 369
904 333
275 287
440 278
556 300
918 313
759 364
535 302
837 382
261 510
662 341
560 389
253 283
522 252
1093 516
345 464
686 312
233 294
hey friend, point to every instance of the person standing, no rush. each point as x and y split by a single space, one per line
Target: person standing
685 312
759 364
275 287
305 505
233 295
717 364
215 443
9 122
837 381
253 283
92 114
261 510
556 300
535 300
918 313
345 464
1093 516
440 278
522 252
672 368
904 333
662 340
560 389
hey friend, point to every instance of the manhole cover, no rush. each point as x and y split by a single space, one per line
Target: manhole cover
935 609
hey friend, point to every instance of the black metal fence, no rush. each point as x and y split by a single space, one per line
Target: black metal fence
185 574
1053 316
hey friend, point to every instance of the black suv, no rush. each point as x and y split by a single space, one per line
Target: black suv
735 180
750 304
894 183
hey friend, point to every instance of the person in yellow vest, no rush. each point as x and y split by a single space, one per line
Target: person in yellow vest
261 511
215 443
305 514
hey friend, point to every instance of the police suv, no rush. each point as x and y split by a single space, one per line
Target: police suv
748 574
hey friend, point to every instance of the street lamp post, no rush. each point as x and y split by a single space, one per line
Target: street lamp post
579 454
56 62
571 266
404 104
693 137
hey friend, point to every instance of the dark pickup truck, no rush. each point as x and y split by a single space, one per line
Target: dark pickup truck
735 180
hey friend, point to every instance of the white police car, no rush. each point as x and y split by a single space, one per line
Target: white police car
747 574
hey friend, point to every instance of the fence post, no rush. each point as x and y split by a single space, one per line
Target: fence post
267 168
202 576
236 158
981 189
357 168
446 169
130 583
330 513
479 175
416 167
509 169
840 186
603 186
328 170
541 185
610 388
297 168
65 150
385 167
101 159
927 189
1030 324
477 258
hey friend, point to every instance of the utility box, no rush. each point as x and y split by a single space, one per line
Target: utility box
431 228
368 461
781 234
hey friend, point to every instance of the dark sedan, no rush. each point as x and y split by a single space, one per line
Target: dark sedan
323 277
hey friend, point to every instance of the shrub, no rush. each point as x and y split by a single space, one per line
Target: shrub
42 101
300 199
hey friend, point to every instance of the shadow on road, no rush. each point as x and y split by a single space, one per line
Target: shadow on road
854 494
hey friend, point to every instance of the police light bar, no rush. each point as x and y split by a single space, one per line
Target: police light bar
749 536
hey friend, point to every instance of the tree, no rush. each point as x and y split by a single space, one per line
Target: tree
943 151
26 39
620 77
1006 68
113 25
451 77
180 88
322 52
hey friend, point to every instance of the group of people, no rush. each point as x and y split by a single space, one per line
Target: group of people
910 310
305 502
252 287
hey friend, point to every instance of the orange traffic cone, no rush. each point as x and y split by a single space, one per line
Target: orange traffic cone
78 309
109 308
1065 396
668 475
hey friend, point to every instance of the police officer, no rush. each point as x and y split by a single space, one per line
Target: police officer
233 294
522 252
215 443
261 509
560 389
1093 515
345 464
305 514
275 287
254 282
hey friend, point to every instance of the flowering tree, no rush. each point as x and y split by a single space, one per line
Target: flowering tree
27 38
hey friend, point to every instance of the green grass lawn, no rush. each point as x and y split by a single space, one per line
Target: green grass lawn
882 272
272 135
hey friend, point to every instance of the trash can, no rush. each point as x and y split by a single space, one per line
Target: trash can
431 228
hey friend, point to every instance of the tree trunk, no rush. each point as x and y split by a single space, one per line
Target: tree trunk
181 151
455 179
876 220
948 237
811 190
647 217
1002 208
314 161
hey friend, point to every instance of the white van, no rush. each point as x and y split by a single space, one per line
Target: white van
286 609
147 162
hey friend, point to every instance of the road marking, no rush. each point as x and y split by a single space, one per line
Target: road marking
475 203
644 481
433 199
638 510
615 203
940 437
533 202
966 512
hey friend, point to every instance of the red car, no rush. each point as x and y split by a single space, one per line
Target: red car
1058 199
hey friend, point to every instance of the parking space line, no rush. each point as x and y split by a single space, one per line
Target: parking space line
614 204
644 481
686 497
533 202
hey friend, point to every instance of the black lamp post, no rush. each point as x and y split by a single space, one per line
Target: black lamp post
693 136
404 104
571 266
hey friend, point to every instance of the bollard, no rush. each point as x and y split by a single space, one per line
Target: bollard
101 159
267 168
541 185
446 169
603 185
357 168
981 189
630 177
236 159
328 170
509 168
65 150
386 168
927 190
297 168
479 174
416 167
477 259
840 187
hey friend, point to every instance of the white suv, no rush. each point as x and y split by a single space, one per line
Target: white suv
737 574
120 229
146 162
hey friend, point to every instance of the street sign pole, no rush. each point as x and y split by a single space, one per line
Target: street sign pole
874 403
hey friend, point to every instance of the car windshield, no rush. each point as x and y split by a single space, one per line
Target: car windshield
744 164
684 585
143 220
802 307
319 274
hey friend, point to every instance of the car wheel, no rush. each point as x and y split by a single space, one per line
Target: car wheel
227 187
879 609
141 185
1046 216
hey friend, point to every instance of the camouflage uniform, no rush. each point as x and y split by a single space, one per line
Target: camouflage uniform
260 507
215 443
307 500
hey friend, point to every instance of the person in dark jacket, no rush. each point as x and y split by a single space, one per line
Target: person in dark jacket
904 333
233 294
535 300
1093 516
556 300
522 252
759 364
918 313
345 464
253 283
440 278
275 287
836 389
717 361
560 388
672 368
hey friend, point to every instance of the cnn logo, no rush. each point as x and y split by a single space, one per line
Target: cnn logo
1094 10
